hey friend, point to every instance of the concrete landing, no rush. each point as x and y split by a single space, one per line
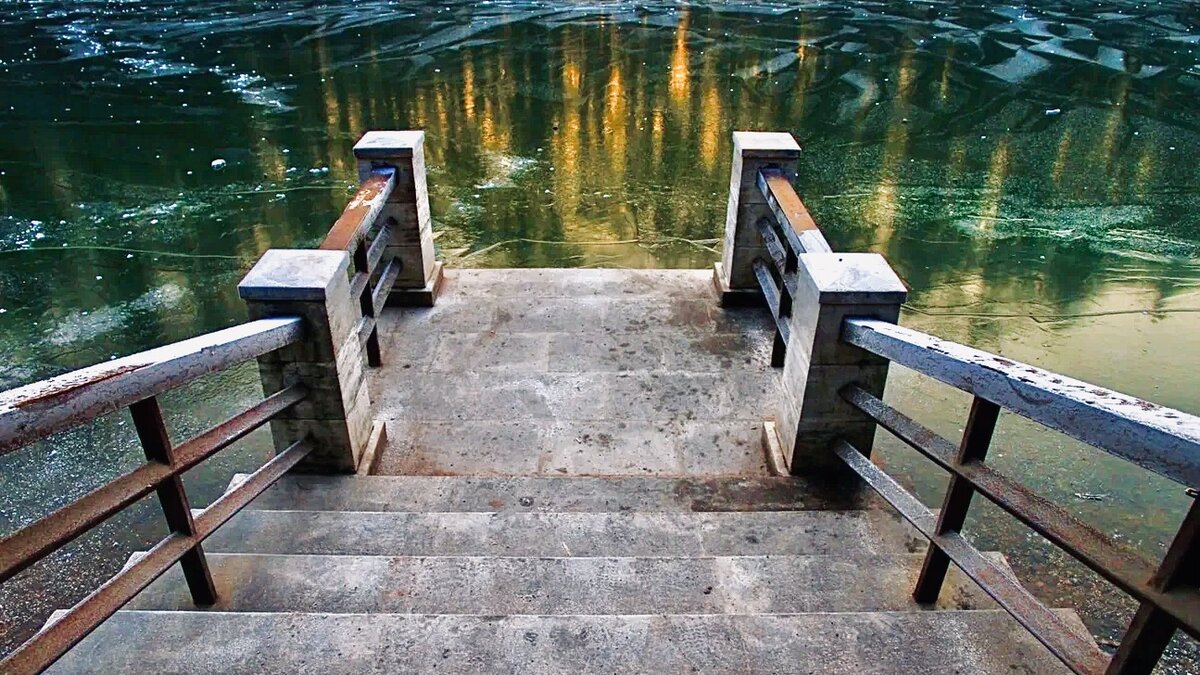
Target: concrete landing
575 372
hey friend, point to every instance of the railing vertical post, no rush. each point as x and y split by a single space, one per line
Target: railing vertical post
1151 630
752 150
329 362
812 414
152 432
407 210
953 515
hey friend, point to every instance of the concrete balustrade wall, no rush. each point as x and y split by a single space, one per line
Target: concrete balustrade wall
812 414
752 151
408 210
329 361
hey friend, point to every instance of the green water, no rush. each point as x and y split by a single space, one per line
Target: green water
1029 170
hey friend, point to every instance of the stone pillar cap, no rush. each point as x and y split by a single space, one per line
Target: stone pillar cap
294 274
388 144
766 144
851 279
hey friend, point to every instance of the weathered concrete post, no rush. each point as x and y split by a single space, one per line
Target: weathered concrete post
407 210
752 150
336 413
831 287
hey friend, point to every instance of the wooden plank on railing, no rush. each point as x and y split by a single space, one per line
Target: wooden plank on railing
362 210
1154 437
1078 652
798 225
40 409
66 630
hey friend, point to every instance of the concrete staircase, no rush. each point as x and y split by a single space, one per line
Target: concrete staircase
560 574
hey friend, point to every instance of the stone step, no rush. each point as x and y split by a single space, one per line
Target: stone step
558 534
487 585
983 642
545 494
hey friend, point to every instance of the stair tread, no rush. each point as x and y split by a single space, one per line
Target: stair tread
565 493
543 585
979 641
557 534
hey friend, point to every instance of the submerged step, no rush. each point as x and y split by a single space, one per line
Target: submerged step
552 534
978 642
489 585
544 494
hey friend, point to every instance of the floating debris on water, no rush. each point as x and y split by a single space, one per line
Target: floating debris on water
1090 496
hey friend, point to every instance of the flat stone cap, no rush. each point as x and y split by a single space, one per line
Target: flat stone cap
388 144
765 144
294 274
851 279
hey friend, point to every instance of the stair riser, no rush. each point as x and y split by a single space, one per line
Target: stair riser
547 534
566 494
735 585
980 643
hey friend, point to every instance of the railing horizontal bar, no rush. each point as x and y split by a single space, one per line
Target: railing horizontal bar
1156 438
383 287
797 224
358 284
378 247
778 254
771 293
363 209
365 326
1077 652
43 649
1126 569
37 410
40 538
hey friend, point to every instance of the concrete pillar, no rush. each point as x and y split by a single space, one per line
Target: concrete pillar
329 361
752 150
408 210
831 287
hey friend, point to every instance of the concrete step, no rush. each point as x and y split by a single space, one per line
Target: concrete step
978 642
485 585
557 534
544 494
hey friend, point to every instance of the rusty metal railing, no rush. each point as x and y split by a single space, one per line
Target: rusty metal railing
790 232
1158 439
364 233
36 411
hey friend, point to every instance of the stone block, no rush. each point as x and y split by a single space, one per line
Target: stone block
337 444
333 387
416 264
818 333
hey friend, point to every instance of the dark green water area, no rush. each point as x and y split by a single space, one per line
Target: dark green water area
1030 170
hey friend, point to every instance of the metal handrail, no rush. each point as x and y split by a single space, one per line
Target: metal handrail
35 411
364 233
1159 439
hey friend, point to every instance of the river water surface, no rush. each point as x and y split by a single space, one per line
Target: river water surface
1030 171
